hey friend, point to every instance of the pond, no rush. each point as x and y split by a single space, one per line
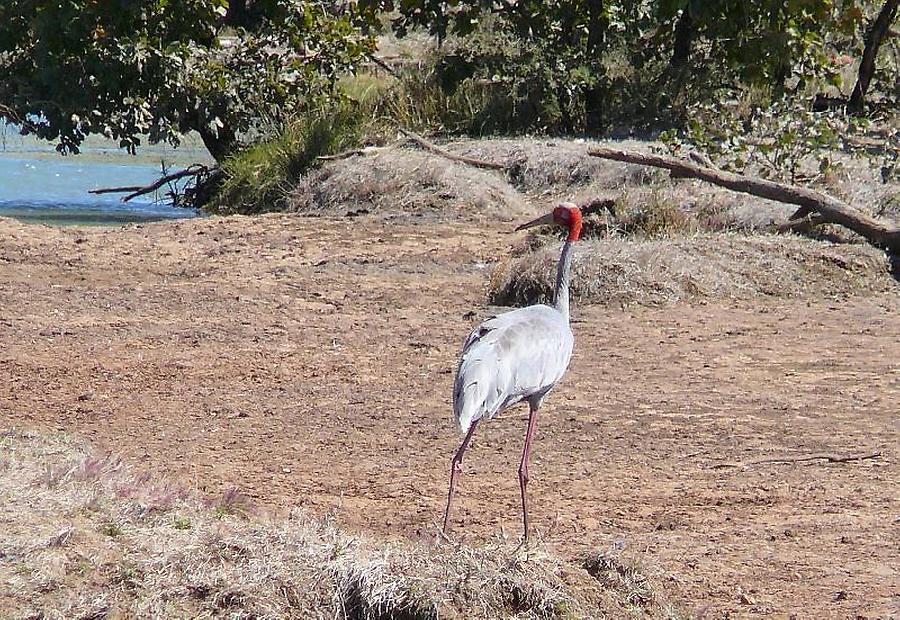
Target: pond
39 185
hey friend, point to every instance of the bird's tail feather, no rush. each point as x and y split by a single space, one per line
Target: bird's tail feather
468 406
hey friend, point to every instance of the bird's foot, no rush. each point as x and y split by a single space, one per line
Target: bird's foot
523 545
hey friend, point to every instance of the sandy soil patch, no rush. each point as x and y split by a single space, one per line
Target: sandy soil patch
308 363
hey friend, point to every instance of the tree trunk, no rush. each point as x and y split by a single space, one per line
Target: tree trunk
831 209
874 38
220 144
777 24
684 38
598 25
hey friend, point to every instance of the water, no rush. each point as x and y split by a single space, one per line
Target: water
39 185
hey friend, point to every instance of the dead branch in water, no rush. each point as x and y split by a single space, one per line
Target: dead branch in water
140 190
830 210
470 161
830 458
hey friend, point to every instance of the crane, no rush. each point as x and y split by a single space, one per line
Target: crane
516 356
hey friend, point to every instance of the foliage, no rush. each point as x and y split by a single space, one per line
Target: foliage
258 179
524 82
163 68
434 96
369 109
586 66
786 141
546 58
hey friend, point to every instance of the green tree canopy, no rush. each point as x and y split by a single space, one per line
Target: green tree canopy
583 58
126 68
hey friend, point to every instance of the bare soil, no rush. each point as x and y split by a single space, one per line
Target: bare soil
308 362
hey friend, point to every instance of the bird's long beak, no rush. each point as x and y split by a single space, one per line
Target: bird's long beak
544 220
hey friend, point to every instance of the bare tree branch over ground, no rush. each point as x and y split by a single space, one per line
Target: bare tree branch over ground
828 209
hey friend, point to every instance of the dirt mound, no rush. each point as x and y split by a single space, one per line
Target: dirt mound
553 166
400 181
726 266
407 181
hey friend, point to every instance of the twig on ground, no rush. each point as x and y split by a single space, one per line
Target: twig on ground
802 224
701 159
830 458
366 150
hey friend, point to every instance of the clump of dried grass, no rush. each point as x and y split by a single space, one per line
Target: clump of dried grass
405 181
554 167
623 575
704 266
75 546
665 210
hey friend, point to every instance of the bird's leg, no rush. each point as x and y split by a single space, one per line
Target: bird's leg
455 468
523 466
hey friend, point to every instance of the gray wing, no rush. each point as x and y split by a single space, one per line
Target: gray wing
509 358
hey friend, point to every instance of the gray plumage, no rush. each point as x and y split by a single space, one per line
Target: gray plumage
515 356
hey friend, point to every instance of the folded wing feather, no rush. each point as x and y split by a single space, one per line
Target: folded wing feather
509 358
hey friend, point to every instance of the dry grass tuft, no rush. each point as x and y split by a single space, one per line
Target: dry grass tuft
723 266
660 211
81 543
555 167
541 172
405 181
624 576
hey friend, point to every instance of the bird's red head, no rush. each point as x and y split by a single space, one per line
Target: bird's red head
568 215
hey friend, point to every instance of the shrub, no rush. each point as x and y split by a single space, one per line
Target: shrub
258 179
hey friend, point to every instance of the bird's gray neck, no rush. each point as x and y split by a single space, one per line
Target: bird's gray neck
561 297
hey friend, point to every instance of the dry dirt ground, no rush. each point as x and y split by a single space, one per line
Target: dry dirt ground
308 362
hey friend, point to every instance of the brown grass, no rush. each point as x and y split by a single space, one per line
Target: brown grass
408 182
92 538
691 268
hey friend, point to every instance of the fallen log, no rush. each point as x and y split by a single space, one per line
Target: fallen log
829 209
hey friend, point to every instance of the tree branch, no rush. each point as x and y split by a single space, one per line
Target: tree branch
383 65
140 190
831 210
804 223
470 161
366 150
